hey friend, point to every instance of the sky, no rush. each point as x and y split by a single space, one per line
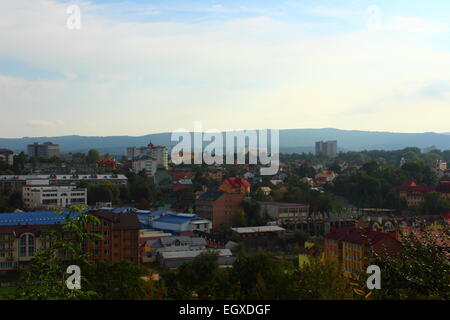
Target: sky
136 67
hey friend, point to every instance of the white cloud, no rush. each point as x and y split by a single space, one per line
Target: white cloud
135 78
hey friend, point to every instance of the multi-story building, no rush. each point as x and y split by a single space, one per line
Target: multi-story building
15 183
40 194
44 150
7 156
218 207
353 247
412 193
328 148
120 232
288 215
23 233
147 163
159 153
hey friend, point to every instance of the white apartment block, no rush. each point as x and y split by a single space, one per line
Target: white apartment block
149 164
40 194
159 153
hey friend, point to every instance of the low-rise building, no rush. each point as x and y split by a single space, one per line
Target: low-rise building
181 222
412 193
288 215
353 247
37 195
15 183
172 252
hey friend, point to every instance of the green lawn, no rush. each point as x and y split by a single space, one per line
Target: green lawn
5 292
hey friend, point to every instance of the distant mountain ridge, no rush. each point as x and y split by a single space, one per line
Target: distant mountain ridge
291 140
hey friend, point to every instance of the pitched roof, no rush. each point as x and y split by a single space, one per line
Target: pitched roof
356 235
237 182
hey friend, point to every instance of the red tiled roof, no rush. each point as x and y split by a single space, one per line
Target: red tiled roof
353 234
237 182
410 185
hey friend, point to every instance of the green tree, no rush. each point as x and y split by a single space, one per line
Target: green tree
322 280
115 281
44 277
420 271
434 203
103 192
93 156
261 276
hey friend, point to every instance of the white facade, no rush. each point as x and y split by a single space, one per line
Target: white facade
37 194
159 153
150 166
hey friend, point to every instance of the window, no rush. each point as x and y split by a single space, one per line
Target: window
26 245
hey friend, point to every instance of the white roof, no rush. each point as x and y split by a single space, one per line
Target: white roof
258 229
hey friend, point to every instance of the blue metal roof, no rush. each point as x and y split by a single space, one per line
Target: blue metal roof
123 210
33 218
173 219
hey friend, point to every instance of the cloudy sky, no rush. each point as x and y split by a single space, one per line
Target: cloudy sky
138 67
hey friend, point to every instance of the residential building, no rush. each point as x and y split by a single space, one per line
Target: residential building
23 233
353 247
44 150
40 194
235 185
218 207
328 148
15 183
159 153
325 176
120 241
150 165
412 193
7 156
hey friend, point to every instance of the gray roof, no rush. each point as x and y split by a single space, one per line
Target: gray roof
194 253
258 229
